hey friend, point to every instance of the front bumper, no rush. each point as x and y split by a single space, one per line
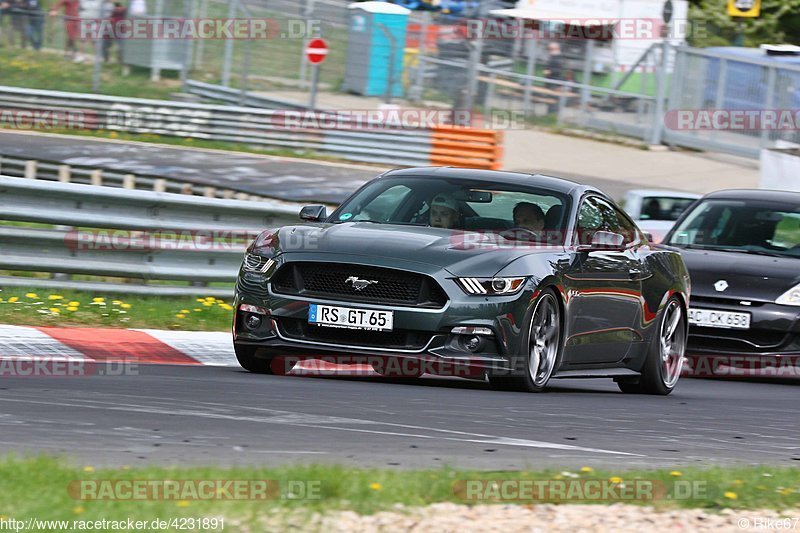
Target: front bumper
421 334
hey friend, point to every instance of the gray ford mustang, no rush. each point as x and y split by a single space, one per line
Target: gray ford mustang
517 278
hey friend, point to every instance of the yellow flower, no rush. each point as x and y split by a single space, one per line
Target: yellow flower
199 300
226 307
55 297
13 299
72 308
98 300
210 299
126 306
375 486
197 309
180 315
113 135
557 477
731 495
74 304
31 295
220 301
208 304
587 469
675 473
615 479
55 310
89 469
738 482
183 503
78 510
116 302
185 311
786 491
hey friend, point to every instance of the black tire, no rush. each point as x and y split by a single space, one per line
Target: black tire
250 361
546 317
661 374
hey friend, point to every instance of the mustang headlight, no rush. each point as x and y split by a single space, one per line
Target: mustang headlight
256 263
491 286
790 297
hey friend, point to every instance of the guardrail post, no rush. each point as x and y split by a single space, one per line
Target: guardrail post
160 185
128 181
227 194
661 94
210 192
187 188
96 177
30 169
64 173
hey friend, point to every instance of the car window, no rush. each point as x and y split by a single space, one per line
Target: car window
741 226
383 206
663 207
596 214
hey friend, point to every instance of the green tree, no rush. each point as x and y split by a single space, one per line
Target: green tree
779 23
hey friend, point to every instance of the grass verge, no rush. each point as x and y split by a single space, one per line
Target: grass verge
65 308
40 487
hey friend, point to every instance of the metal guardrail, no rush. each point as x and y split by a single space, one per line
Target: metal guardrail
149 236
267 128
239 97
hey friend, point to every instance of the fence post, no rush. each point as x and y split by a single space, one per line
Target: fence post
770 103
530 70
96 177
198 56
226 65
661 93
419 79
30 169
586 80
160 185
128 181
475 53
64 173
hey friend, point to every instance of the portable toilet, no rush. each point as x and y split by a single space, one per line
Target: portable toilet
375 46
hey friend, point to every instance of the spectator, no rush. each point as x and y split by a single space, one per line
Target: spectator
15 9
33 31
118 14
72 25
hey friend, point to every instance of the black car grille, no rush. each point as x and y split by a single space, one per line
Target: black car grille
398 339
328 280
738 341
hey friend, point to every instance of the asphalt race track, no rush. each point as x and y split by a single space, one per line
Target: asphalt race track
223 415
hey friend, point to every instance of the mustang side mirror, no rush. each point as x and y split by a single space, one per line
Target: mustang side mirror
605 240
313 213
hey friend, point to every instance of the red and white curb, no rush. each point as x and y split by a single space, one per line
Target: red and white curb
139 346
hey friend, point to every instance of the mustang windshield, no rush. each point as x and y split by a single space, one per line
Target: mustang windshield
741 226
459 205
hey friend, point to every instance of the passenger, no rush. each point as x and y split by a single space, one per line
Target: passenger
529 216
444 212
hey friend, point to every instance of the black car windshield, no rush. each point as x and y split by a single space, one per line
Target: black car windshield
458 204
741 226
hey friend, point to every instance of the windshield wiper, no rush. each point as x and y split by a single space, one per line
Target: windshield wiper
735 250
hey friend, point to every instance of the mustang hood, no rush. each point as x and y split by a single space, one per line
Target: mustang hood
460 253
749 277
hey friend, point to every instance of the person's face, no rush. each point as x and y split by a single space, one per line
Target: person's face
528 219
443 217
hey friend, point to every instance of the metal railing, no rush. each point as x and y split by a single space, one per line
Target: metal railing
136 235
340 136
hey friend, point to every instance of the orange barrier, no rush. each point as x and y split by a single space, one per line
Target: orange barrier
466 147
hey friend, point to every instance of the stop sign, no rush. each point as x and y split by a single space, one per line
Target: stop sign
316 51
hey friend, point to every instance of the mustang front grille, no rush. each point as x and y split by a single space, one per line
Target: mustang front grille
359 283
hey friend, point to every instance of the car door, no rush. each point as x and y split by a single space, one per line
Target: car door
606 290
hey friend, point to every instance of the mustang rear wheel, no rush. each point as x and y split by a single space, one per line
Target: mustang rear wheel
246 355
534 369
662 368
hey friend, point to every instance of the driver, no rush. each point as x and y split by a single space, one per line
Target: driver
444 212
529 216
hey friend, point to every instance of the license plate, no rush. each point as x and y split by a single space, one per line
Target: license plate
711 318
347 317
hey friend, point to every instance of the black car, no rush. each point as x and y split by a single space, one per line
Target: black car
742 248
433 266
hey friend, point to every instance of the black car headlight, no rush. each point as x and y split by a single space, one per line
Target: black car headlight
790 297
257 263
491 286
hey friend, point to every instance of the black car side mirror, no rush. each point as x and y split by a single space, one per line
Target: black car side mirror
313 213
604 240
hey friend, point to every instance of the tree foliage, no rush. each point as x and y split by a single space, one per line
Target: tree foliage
711 25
